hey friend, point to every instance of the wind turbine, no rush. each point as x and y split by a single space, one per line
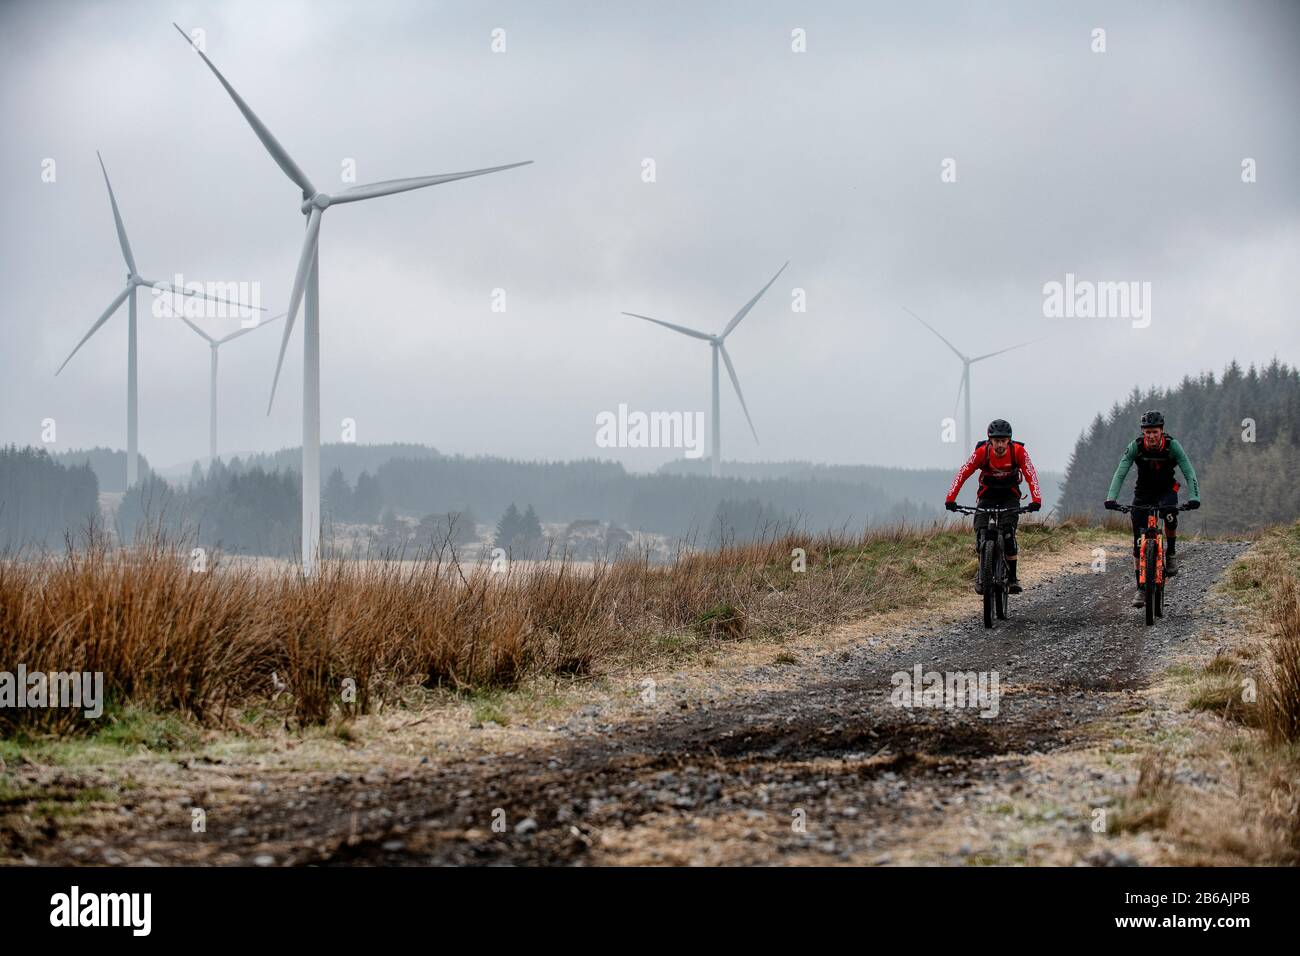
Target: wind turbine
306 282
133 282
213 345
718 348
966 363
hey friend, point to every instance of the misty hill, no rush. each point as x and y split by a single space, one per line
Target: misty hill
664 503
351 459
1239 432
928 485
248 509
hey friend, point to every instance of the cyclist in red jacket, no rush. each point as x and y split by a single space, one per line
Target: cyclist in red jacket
1001 462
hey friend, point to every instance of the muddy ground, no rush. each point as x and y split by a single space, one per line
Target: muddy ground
805 761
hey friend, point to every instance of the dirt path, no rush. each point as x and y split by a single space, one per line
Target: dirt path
823 769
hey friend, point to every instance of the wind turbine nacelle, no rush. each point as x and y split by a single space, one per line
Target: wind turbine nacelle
319 201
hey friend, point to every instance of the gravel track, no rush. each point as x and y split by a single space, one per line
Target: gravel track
824 769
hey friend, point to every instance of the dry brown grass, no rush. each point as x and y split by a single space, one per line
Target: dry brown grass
212 645
1258 820
1280 695
1153 798
1220 688
207 644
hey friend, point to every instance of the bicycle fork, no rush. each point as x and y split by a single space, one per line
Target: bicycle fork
1152 522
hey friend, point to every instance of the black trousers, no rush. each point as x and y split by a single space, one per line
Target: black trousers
1140 519
1008 522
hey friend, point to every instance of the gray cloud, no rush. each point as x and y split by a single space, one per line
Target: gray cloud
1114 166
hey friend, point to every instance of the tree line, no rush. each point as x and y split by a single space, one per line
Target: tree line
108 464
228 507
42 499
1239 429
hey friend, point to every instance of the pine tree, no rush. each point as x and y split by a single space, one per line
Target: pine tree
508 527
530 527
338 497
367 499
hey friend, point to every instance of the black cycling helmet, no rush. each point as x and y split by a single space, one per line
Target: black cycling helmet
1153 419
999 428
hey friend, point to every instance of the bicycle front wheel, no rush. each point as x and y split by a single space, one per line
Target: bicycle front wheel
989 568
1149 558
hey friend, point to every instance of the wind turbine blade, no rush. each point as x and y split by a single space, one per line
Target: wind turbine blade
181 290
252 328
388 187
731 370
735 321
117 218
963 382
936 332
197 329
676 328
299 284
1010 348
272 145
113 307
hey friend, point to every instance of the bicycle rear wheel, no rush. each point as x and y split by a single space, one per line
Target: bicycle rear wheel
1160 600
1001 604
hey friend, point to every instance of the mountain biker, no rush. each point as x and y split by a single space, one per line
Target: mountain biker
1155 453
1001 462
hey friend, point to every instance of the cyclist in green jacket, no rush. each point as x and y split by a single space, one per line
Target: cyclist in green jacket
1156 454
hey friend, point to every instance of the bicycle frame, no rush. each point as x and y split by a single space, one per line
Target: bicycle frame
1154 530
995 520
993 560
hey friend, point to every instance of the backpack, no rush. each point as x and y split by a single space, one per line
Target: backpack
1007 483
1155 461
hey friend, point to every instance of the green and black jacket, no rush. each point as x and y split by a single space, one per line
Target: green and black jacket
1155 471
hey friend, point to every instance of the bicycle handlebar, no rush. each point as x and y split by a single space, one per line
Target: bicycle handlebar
968 510
1125 509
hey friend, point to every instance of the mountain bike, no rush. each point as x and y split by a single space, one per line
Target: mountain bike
1151 562
993 560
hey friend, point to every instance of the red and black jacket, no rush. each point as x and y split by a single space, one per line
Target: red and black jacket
999 474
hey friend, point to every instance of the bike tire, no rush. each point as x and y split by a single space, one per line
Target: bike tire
1150 559
989 565
1160 601
1001 604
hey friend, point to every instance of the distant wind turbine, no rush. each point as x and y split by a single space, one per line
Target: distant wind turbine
307 282
717 346
133 282
213 345
966 363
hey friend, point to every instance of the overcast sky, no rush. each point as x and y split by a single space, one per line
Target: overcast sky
1123 165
